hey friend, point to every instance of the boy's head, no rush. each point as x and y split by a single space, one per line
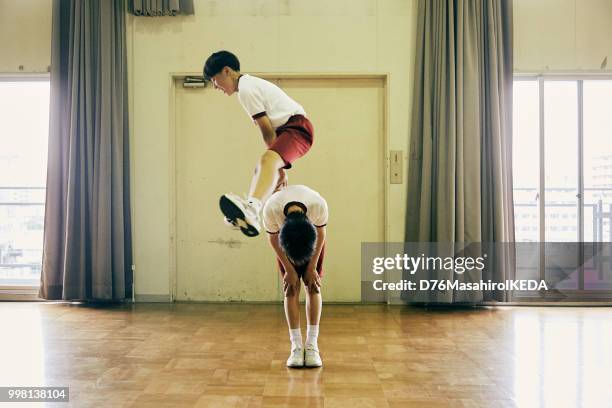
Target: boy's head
223 69
297 235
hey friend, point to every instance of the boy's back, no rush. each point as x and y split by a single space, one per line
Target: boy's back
259 97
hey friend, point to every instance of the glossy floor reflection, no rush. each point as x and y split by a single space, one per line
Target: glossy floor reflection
225 355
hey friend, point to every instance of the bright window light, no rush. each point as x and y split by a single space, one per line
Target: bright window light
24 124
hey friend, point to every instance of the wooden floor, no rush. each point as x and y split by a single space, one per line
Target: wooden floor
211 355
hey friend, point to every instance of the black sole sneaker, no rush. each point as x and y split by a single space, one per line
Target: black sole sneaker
237 211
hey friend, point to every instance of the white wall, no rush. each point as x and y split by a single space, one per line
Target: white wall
562 35
314 36
268 36
333 36
25 35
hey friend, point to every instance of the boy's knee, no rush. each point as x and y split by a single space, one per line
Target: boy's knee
292 291
270 157
312 289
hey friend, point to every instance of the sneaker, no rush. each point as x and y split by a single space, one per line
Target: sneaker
312 358
296 358
239 211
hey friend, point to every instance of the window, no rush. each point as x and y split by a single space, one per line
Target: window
562 172
525 164
24 123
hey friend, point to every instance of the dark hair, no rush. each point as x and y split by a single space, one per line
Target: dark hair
297 237
217 61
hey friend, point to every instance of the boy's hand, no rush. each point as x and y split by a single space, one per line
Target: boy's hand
267 130
312 279
290 281
282 180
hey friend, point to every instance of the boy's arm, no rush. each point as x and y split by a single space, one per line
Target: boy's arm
291 278
275 243
267 130
312 275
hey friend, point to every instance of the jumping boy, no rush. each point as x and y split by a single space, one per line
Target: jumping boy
295 219
286 130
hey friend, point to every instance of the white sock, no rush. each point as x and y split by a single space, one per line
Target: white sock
255 203
295 335
312 332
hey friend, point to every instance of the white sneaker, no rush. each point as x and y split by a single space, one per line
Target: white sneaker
296 358
312 358
240 212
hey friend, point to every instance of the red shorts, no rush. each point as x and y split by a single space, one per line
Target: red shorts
302 268
293 139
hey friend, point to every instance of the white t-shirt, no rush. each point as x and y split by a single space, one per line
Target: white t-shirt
258 97
274 210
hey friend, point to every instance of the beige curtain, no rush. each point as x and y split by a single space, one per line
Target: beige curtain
155 8
460 161
87 250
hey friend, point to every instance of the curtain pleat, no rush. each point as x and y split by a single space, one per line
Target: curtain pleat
87 248
460 162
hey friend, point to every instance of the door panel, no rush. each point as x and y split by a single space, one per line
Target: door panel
217 147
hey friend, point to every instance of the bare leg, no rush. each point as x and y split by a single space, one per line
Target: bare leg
266 175
292 308
282 180
314 304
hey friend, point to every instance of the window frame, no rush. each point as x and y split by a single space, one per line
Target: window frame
583 294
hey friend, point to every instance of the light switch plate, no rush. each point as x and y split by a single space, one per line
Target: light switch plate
396 166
